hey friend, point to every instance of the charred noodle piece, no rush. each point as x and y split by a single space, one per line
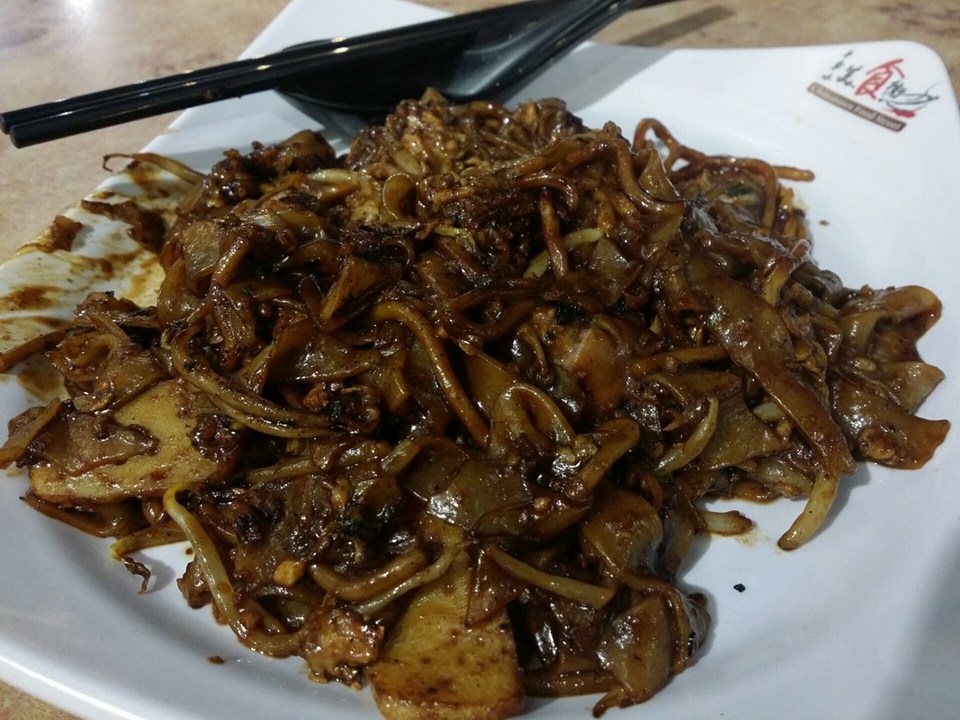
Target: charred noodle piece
439 414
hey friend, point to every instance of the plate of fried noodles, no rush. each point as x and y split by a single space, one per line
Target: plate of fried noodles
629 396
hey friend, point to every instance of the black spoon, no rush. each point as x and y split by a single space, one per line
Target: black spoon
481 54
489 63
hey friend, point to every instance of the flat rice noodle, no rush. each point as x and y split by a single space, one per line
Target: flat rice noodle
740 436
200 246
636 648
354 290
484 498
488 379
426 465
778 475
623 530
305 354
752 333
104 370
491 591
599 355
886 324
78 443
234 315
23 428
908 383
883 431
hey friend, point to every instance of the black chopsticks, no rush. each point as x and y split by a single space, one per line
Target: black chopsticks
61 118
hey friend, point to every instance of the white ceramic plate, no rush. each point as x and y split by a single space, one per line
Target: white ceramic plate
864 622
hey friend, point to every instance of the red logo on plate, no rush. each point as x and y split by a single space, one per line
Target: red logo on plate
867 93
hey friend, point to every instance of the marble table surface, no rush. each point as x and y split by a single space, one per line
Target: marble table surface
58 48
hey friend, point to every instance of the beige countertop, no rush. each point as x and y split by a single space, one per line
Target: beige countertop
58 48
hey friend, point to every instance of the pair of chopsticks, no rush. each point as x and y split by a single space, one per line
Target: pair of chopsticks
92 111
61 118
